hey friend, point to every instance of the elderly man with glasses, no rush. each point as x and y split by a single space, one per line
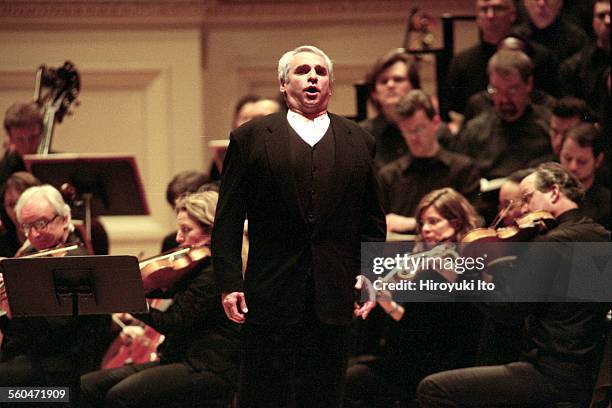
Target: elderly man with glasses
41 351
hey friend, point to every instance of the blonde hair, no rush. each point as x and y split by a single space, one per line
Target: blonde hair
201 206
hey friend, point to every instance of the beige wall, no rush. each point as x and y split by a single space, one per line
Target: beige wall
160 78
141 94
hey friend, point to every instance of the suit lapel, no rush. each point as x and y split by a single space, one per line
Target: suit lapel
279 157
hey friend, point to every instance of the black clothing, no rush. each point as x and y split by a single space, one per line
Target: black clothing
155 385
481 102
561 37
9 243
303 254
430 337
200 345
312 172
169 242
11 163
284 244
499 147
596 205
390 143
406 180
309 360
45 351
468 75
563 345
582 76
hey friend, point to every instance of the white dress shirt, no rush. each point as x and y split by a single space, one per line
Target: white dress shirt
311 131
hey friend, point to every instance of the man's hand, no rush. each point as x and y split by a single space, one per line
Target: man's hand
234 306
399 223
365 309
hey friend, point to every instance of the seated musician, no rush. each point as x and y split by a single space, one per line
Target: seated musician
13 237
188 181
562 340
198 358
23 123
423 337
43 350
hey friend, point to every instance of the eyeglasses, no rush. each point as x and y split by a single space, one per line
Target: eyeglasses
526 197
491 90
39 225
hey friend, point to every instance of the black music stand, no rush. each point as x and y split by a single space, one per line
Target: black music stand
73 286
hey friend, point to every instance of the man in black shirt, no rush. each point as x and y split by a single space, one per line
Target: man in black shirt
547 27
582 153
392 76
515 132
23 123
426 167
582 75
563 341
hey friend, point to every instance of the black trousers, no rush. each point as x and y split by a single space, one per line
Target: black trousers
154 385
517 385
299 365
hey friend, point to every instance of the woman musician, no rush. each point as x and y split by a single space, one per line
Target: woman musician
422 337
198 357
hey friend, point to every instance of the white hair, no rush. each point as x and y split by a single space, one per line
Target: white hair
48 192
285 61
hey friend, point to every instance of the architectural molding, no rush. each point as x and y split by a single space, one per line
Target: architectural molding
104 13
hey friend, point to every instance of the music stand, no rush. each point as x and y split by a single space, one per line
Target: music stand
109 183
74 285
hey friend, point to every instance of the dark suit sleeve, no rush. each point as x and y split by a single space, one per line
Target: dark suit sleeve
373 225
229 220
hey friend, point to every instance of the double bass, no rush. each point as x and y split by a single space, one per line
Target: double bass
54 91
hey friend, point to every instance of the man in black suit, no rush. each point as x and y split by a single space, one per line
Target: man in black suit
305 180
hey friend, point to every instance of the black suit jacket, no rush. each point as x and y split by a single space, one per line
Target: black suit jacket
258 183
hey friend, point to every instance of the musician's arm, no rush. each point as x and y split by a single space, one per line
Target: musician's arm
189 308
393 309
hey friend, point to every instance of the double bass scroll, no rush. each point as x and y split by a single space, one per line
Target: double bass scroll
62 86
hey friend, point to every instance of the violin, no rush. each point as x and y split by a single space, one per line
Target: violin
164 270
524 228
